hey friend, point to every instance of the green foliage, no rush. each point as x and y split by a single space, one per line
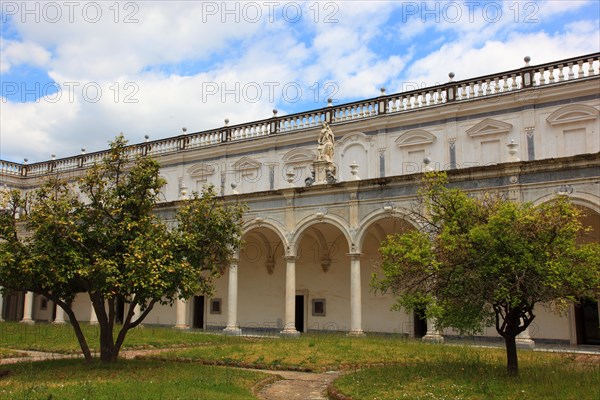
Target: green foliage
479 260
103 238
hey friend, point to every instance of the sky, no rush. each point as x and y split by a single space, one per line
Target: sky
74 74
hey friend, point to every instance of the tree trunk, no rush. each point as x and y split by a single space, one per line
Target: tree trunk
512 362
108 351
79 334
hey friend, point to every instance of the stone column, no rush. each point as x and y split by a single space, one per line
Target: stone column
28 308
524 339
232 327
433 335
59 318
289 328
355 296
181 307
93 316
137 311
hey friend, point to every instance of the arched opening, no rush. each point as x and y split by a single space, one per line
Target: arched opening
261 282
378 315
322 279
587 312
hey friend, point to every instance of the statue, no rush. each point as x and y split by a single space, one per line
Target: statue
326 141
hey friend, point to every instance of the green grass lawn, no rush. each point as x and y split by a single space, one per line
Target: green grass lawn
377 367
387 367
61 338
131 379
467 373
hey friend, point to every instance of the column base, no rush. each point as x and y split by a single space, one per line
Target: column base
433 338
27 321
291 332
232 331
525 343
356 333
59 322
182 326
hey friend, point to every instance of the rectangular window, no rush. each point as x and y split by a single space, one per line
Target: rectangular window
215 306
318 307
43 304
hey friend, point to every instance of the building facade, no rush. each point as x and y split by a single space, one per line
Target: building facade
315 220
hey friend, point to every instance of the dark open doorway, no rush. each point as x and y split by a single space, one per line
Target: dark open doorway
198 312
120 311
299 313
419 323
587 322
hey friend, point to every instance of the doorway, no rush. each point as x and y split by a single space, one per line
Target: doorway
419 323
198 312
13 305
587 322
299 321
120 311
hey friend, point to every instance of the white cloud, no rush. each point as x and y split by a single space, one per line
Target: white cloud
14 53
495 56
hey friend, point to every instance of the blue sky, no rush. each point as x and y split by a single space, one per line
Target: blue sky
75 74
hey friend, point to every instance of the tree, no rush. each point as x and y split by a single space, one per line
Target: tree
481 261
103 238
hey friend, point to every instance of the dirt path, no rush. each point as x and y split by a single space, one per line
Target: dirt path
294 385
298 385
30 355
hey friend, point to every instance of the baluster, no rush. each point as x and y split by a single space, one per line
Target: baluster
591 67
513 84
551 77
505 83
570 75
561 75
542 77
580 69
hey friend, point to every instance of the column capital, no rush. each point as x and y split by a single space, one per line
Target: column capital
290 258
354 255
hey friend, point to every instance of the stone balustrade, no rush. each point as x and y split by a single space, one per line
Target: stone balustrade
528 77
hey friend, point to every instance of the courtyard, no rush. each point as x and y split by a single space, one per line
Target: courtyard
165 363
